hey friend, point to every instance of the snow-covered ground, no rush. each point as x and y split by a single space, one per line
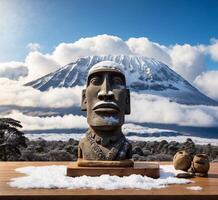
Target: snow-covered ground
77 136
133 132
54 177
128 128
54 136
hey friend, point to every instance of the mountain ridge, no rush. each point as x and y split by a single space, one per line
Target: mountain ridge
144 75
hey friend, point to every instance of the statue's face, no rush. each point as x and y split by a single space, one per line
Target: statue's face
106 100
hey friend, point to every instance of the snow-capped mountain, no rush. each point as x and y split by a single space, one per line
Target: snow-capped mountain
144 75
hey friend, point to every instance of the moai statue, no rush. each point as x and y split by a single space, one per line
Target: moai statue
106 100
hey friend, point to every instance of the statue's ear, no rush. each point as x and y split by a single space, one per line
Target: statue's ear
83 101
127 107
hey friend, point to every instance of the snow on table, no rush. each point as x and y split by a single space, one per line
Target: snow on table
197 188
54 177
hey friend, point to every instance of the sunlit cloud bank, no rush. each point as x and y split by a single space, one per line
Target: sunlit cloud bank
154 109
187 60
13 93
47 123
39 65
144 108
208 83
76 136
213 49
13 70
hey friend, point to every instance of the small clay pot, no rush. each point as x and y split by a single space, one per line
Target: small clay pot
182 161
201 163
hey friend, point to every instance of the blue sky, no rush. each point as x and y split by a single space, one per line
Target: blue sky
49 22
44 35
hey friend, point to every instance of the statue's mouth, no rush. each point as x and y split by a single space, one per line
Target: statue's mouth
103 106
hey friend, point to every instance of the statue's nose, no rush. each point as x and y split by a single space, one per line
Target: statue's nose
106 92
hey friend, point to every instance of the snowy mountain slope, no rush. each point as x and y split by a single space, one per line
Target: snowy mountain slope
144 75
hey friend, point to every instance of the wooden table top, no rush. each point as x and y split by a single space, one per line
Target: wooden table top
175 192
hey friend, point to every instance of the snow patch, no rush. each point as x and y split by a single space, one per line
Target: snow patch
110 65
133 128
78 136
54 177
54 136
111 120
194 188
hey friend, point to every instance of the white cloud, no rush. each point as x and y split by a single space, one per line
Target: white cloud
12 93
213 49
46 123
142 46
208 83
187 60
33 46
98 45
155 109
13 70
160 110
39 64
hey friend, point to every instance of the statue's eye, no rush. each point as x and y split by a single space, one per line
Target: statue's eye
118 81
96 80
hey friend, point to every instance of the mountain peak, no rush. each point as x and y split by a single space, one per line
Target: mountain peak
144 75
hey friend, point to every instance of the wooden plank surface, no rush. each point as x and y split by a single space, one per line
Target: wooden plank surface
174 192
150 169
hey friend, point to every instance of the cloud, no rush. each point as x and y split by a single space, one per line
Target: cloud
208 83
160 110
40 64
13 93
155 109
13 70
212 49
33 46
187 60
144 47
97 45
46 123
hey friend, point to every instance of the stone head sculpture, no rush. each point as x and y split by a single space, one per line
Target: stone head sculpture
106 100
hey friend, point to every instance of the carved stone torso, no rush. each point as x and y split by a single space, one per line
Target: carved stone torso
106 101
94 147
